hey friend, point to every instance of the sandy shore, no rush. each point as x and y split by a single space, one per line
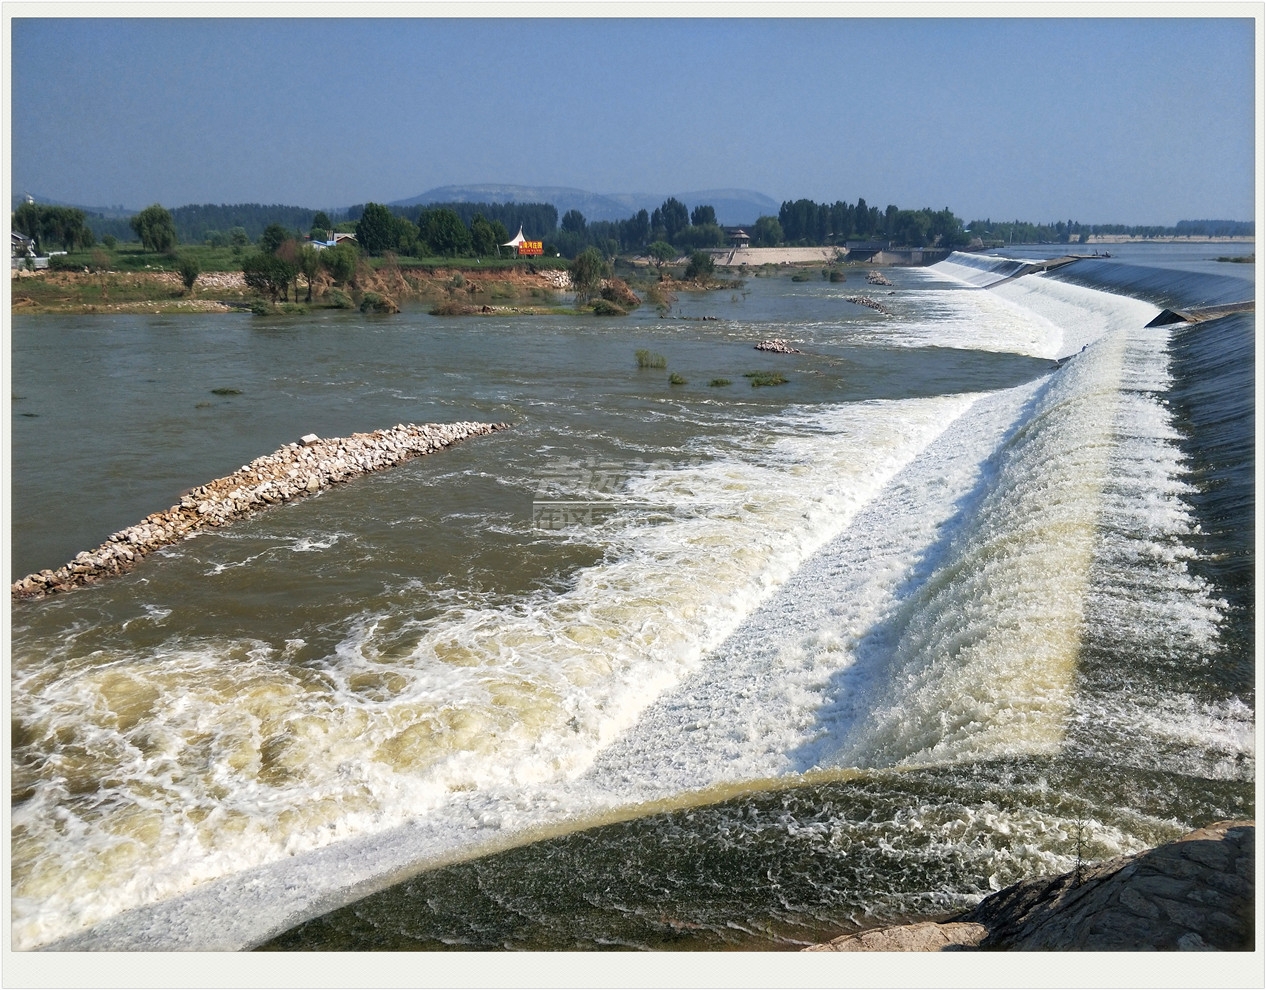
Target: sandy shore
776 256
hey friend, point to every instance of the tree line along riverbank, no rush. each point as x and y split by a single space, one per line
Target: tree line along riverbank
451 287
107 291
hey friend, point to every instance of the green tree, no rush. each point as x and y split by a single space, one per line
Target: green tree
912 227
189 272
670 219
445 233
340 262
704 235
50 225
405 236
661 253
701 215
375 229
26 220
273 237
155 228
946 230
573 222
321 222
499 234
766 232
587 273
309 262
701 267
238 237
267 274
483 236
635 232
289 251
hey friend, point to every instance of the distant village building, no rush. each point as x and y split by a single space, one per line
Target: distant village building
23 246
333 239
24 254
738 237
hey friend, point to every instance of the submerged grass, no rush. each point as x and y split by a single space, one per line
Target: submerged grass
759 378
649 359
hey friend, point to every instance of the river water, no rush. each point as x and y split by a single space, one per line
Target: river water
663 666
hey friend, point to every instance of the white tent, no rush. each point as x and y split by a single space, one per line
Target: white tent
516 240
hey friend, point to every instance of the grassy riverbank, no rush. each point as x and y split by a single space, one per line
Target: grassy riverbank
131 281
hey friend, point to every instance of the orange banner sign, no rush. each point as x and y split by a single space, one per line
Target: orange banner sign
532 247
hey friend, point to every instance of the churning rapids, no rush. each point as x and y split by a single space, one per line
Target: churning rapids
662 666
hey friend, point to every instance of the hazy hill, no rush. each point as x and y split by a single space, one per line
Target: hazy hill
733 206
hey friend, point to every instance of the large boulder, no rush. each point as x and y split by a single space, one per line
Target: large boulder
1195 893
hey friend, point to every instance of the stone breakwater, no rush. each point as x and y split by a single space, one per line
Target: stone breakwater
1195 893
877 306
289 473
777 345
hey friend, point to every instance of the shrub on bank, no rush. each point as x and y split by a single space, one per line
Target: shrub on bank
617 292
701 267
372 302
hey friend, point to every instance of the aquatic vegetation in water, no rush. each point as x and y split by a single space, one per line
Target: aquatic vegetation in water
759 378
649 359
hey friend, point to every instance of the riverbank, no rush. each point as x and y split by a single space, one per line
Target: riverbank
456 291
52 291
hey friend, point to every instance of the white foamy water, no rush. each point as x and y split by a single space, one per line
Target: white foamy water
216 757
1032 315
872 584
945 623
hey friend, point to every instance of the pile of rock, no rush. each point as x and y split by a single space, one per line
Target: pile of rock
877 278
778 346
867 301
1195 893
293 471
558 279
222 280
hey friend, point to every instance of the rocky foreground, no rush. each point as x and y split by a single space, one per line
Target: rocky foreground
293 471
1195 893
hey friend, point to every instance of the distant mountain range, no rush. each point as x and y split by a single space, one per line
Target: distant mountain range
105 211
734 207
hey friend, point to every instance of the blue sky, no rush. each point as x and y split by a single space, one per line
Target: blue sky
1139 121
